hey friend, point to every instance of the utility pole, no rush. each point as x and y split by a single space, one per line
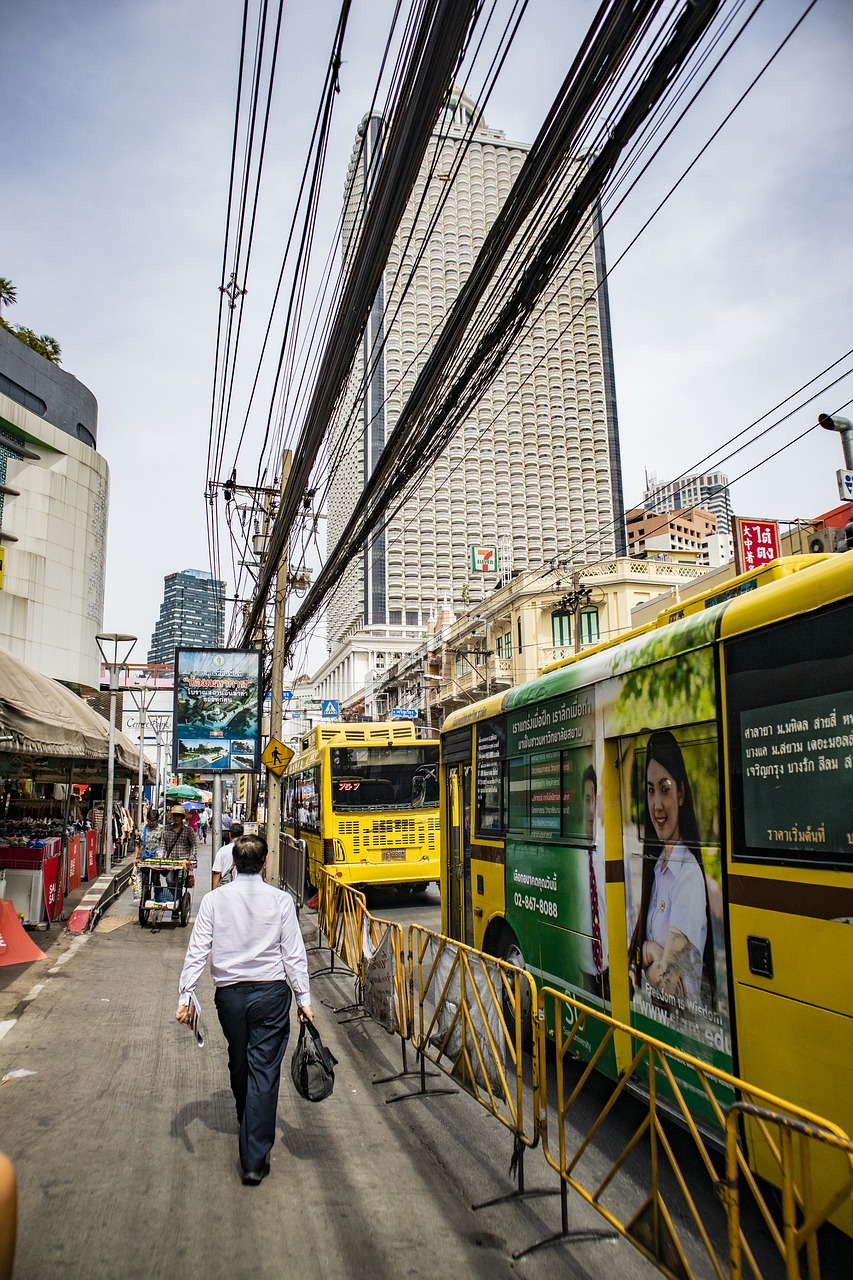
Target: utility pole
574 602
276 691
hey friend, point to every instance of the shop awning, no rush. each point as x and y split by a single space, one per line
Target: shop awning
40 718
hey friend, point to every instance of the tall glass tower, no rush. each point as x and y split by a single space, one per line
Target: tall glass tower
192 615
535 469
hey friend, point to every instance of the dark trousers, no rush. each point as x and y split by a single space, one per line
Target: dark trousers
255 1017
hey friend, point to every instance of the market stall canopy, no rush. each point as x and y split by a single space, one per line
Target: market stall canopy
183 792
41 719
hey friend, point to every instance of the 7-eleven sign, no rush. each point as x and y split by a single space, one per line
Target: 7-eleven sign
484 559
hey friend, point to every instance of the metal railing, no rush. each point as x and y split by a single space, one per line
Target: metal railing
467 1021
653 1166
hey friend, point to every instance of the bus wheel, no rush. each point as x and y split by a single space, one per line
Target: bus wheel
508 949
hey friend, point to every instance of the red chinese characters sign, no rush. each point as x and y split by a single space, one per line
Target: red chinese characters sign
756 543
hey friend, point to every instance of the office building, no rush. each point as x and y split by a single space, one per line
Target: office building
709 491
192 615
54 498
688 536
535 468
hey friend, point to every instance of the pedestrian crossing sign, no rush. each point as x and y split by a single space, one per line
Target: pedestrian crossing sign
276 756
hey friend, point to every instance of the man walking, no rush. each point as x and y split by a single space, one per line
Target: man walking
251 931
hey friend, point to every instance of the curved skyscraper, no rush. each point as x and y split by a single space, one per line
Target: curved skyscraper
535 468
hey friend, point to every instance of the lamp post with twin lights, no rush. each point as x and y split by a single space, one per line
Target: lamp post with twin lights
115 650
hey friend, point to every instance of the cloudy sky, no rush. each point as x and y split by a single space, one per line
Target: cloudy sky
117 123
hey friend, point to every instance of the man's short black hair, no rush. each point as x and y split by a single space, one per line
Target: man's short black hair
589 776
235 831
250 854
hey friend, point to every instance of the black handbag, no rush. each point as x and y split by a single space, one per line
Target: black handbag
313 1065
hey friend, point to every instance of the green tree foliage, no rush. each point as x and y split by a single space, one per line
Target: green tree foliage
655 693
43 343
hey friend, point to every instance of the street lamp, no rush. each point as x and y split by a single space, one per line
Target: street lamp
161 726
142 700
115 649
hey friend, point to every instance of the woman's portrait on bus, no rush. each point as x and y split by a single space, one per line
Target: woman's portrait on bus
671 952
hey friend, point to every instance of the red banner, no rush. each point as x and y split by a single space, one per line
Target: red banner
52 890
91 863
15 946
74 869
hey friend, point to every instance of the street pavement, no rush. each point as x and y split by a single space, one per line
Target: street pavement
124 1138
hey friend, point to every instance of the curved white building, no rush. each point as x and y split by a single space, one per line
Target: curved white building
54 498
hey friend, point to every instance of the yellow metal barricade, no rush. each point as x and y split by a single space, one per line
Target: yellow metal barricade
792 1144
385 980
325 922
467 1020
683 1214
340 913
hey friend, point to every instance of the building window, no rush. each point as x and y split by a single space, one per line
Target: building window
508 645
395 617
412 617
561 629
590 628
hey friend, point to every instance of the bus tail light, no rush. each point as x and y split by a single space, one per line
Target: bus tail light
328 852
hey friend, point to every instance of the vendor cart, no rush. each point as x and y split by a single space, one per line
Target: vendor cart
165 886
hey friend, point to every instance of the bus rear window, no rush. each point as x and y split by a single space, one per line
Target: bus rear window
395 777
790 723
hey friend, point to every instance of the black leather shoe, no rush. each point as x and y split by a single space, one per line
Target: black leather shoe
252 1177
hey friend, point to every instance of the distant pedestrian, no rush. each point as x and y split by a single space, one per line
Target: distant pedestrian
226 822
251 931
223 864
193 821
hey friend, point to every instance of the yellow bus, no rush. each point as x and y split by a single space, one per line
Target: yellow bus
662 827
365 798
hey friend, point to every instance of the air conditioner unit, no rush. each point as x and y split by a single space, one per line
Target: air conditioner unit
823 541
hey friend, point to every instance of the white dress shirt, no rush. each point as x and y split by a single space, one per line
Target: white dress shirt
251 932
224 860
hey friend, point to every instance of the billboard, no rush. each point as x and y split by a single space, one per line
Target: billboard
217 711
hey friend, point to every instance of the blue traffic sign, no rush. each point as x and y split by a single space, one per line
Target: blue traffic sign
285 694
331 708
404 713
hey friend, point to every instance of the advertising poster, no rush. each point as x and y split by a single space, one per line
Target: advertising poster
673 884
217 711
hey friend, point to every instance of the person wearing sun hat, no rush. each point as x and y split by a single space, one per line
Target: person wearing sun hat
180 840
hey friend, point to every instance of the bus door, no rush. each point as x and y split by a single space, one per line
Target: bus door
459 853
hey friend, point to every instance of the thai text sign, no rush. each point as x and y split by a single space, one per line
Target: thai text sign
217 711
797 760
756 543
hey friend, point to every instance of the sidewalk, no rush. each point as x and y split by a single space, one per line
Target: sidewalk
125 1143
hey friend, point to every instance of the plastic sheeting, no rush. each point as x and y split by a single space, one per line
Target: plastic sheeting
40 717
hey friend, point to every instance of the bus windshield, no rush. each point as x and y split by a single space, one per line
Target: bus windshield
393 777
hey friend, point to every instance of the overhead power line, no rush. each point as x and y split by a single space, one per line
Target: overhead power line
446 389
441 37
